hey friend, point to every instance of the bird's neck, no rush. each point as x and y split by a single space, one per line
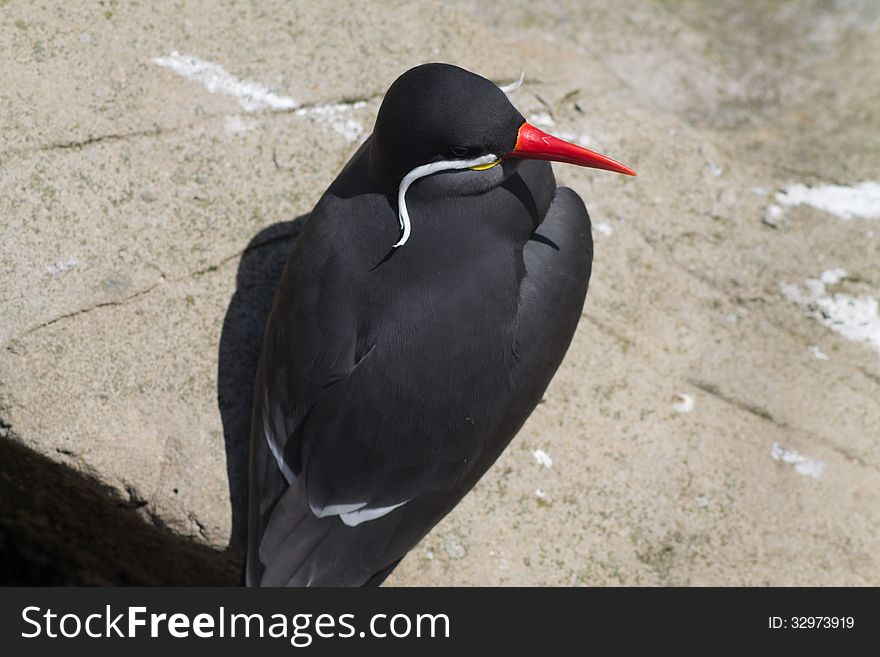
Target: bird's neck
384 176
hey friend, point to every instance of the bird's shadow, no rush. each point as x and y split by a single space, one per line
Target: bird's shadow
259 271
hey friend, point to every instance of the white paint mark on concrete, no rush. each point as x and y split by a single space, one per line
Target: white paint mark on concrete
818 354
582 139
803 465
833 276
335 116
855 318
454 546
684 403
62 266
773 216
542 119
846 202
252 96
238 124
603 228
542 458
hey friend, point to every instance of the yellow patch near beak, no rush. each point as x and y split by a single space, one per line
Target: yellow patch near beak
483 167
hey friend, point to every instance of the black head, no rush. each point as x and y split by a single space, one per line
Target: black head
439 117
437 112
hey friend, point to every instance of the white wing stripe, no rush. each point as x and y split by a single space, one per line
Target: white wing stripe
279 457
337 509
354 518
273 446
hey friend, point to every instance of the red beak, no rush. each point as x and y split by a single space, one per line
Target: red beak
534 144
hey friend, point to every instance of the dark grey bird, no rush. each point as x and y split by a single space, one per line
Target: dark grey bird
428 301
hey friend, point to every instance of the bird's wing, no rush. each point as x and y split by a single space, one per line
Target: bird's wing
348 451
366 439
558 261
352 430
343 414
362 451
372 442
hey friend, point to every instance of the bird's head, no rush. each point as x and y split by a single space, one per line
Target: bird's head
439 117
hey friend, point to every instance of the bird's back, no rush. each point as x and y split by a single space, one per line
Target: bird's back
390 380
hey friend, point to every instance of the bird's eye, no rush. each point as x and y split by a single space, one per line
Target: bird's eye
460 151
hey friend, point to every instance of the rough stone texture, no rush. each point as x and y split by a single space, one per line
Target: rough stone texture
145 220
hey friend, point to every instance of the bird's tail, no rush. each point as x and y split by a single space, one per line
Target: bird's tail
297 548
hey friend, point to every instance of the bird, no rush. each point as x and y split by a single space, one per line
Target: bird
427 303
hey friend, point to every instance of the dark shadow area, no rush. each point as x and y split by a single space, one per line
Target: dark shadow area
59 527
518 187
259 271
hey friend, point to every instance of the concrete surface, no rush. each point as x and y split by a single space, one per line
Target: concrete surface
704 428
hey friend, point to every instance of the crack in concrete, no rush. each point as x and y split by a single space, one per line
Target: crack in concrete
78 144
203 532
239 254
789 170
870 375
604 328
715 391
121 302
754 409
135 501
156 519
800 338
83 311
669 257
99 139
